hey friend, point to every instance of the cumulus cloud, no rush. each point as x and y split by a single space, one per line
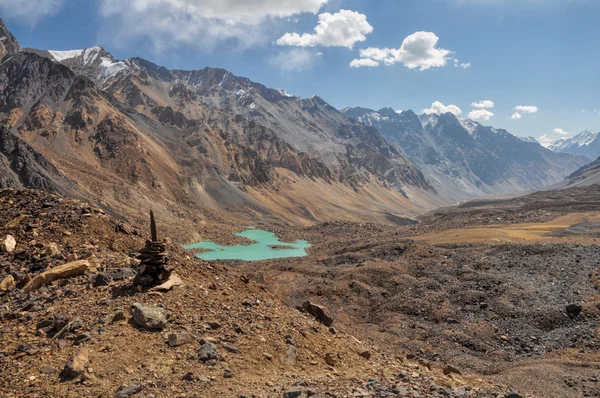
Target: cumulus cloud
29 11
342 29
418 51
516 116
480 115
483 104
526 108
560 132
295 60
437 108
359 63
171 23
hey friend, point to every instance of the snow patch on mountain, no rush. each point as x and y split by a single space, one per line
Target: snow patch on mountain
109 68
64 55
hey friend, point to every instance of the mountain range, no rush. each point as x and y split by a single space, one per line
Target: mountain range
586 143
129 135
465 159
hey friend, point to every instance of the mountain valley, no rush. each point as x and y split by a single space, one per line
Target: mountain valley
445 258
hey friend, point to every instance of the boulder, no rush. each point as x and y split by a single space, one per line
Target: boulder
148 317
319 312
207 352
8 244
76 364
67 270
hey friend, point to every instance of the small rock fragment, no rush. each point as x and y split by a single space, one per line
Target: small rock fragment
7 283
127 391
8 244
181 338
366 354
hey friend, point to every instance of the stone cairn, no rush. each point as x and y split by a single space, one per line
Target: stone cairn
153 260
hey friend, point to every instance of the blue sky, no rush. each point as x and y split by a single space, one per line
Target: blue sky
541 54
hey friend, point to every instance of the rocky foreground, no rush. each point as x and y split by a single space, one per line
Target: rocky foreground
74 324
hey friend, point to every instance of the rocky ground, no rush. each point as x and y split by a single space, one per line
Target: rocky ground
526 315
74 325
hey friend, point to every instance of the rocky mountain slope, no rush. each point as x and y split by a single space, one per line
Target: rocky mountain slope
586 143
132 135
585 176
463 158
92 332
8 44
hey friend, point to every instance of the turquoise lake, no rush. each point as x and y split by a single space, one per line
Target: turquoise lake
262 249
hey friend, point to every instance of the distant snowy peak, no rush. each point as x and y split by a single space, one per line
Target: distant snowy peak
529 139
469 125
586 143
285 93
94 62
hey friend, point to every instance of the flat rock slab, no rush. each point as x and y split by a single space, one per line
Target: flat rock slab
148 317
68 270
180 338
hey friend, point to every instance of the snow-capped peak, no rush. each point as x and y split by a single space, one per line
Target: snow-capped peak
468 125
285 93
64 55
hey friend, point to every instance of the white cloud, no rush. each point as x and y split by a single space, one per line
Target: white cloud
526 108
30 11
295 60
545 141
342 29
172 23
516 116
560 132
480 115
437 108
483 104
458 64
359 63
418 51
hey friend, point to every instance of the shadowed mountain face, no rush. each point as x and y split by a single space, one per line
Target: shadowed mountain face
585 176
466 159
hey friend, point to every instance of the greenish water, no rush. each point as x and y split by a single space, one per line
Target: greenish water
262 249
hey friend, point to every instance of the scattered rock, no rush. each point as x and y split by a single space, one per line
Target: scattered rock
119 316
294 393
173 281
47 370
330 359
227 374
100 280
232 349
207 352
513 394
180 338
449 369
7 283
76 364
83 337
319 312
573 310
291 355
8 244
365 354
51 250
151 318
67 270
127 391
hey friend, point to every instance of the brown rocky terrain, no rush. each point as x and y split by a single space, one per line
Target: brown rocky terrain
74 325
507 289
